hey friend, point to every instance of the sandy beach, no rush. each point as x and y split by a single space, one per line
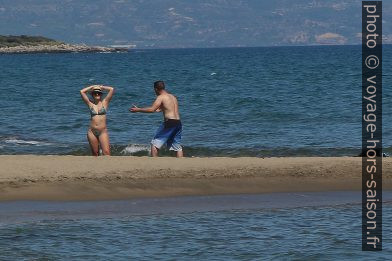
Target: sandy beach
90 178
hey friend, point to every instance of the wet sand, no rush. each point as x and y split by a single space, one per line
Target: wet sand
105 178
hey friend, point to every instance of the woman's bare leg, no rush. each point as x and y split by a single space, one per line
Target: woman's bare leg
104 142
94 143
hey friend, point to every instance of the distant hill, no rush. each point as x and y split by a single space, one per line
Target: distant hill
38 44
12 41
190 23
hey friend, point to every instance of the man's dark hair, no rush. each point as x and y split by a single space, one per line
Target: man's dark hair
159 85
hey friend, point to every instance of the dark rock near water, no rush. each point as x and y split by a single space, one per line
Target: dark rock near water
38 44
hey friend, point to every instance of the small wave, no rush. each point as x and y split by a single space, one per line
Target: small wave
134 148
17 145
25 142
115 149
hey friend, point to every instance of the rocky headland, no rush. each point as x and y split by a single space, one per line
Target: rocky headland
38 44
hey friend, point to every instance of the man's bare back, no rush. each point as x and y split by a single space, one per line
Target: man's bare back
169 106
169 132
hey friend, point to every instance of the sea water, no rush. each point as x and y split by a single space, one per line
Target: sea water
278 226
268 101
272 101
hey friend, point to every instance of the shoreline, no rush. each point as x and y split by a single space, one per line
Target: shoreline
60 48
76 178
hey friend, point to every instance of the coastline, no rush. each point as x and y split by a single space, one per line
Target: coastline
32 177
59 48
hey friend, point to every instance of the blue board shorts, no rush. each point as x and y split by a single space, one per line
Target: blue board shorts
169 133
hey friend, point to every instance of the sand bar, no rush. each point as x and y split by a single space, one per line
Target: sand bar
88 178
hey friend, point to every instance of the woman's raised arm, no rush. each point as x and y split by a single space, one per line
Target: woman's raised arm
84 95
110 93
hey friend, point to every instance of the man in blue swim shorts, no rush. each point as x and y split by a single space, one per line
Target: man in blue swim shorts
169 132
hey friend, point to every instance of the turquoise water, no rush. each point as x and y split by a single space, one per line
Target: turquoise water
272 101
309 226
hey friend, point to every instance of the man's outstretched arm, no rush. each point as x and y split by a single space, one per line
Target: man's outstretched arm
153 108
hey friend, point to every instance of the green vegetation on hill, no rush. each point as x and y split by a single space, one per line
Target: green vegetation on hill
12 40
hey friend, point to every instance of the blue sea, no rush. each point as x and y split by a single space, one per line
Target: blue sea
279 226
268 101
275 101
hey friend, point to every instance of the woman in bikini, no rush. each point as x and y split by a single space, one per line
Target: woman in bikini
97 133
